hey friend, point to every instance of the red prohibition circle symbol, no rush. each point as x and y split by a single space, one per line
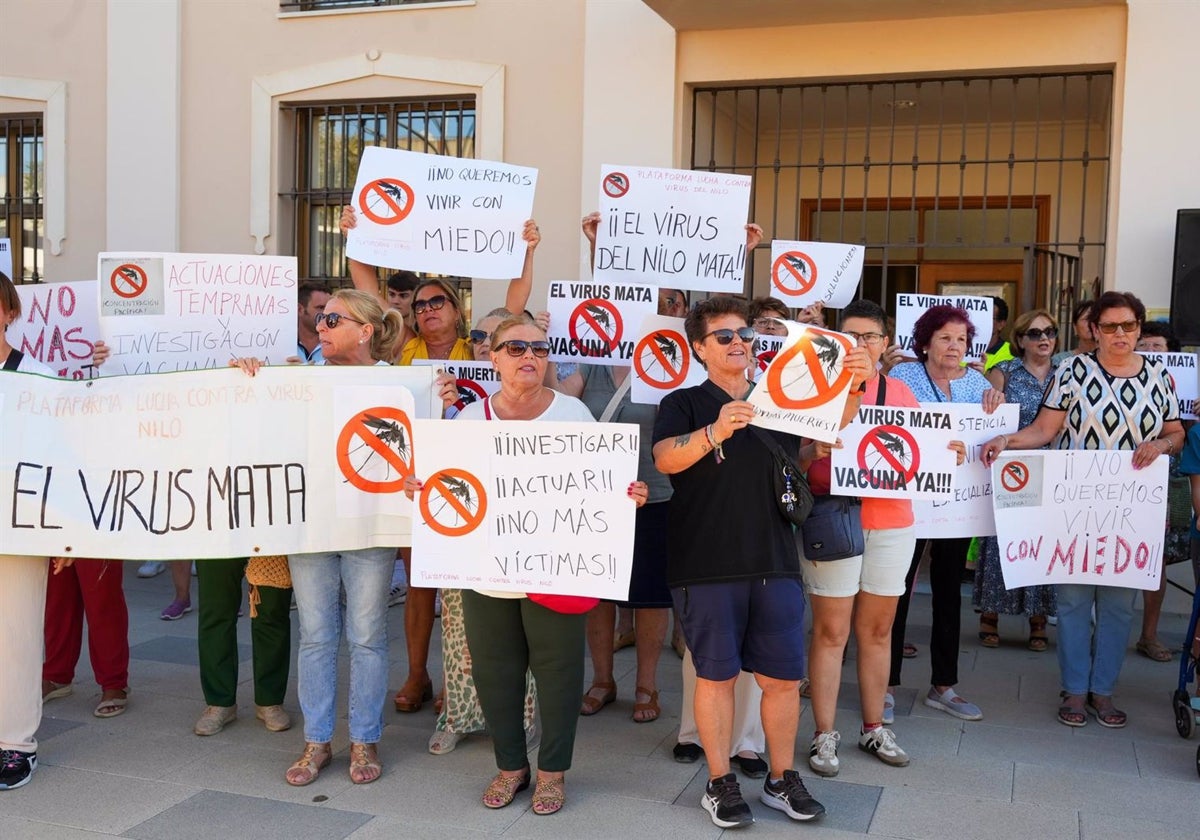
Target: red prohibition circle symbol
599 319
819 348
891 447
616 184
764 359
381 432
661 359
794 273
128 280
1014 476
459 499
469 391
386 201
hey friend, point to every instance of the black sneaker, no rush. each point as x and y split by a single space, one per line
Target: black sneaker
791 797
16 768
723 801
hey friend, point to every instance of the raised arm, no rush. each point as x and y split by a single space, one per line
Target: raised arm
520 288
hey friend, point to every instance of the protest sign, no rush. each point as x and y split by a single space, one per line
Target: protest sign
1183 371
595 322
766 348
662 361
910 307
172 312
526 507
1079 516
672 227
443 215
804 388
6 259
58 326
803 273
895 453
209 463
969 512
475 381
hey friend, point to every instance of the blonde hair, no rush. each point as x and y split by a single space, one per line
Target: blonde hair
386 326
1022 323
511 323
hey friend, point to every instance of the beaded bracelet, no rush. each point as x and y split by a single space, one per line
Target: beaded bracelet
718 452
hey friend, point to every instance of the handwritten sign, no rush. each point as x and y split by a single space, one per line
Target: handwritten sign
526 507
804 388
766 348
1183 371
595 322
475 381
1079 516
803 273
662 361
910 307
208 463
896 453
440 214
672 227
6 259
968 513
173 312
58 326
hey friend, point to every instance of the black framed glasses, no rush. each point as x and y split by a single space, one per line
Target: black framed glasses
516 347
1123 326
479 336
725 336
1038 335
435 303
868 339
332 319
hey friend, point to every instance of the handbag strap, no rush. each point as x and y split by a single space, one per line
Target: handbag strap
611 408
14 359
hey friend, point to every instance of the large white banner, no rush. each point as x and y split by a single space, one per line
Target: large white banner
1079 516
597 322
910 307
1183 370
443 215
526 507
896 453
173 312
59 326
475 381
663 361
805 386
209 463
803 273
969 512
677 228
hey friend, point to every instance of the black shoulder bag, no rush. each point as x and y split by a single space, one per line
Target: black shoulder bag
14 359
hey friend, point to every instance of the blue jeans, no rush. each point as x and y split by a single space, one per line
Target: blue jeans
1092 661
365 574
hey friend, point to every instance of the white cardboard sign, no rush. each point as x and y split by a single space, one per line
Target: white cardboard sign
910 307
663 361
893 452
596 322
58 326
1183 370
803 273
805 387
475 381
6 259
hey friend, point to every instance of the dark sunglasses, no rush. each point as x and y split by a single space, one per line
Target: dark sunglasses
1038 335
479 336
435 303
332 319
1123 326
517 347
723 337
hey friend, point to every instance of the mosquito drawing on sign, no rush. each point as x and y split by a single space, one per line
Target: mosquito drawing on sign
395 191
896 445
390 434
828 352
130 273
668 348
459 489
798 264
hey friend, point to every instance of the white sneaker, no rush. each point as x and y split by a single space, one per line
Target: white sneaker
881 743
397 595
151 568
822 755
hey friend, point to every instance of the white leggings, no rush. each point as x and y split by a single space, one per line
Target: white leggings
22 639
747 723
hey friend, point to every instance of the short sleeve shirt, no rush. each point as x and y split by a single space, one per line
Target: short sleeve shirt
598 389
968 388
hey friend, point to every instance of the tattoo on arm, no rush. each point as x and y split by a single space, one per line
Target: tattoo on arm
683 440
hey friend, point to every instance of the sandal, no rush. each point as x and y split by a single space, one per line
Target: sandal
1037 634
650 710
1070 713
504 789
624 640
364 764
308 766
548 796
409 700
989 630
590 705
909 651
112 706
1105 713
1154 649
52 690
805 688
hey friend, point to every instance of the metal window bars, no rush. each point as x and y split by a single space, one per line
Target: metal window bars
22 177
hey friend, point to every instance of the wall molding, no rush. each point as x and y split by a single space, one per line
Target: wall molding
52 94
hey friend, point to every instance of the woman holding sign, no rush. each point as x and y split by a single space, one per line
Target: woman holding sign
1110 399
941 338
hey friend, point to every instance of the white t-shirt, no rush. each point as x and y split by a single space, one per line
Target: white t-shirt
31 365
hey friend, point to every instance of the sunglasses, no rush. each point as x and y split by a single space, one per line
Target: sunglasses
332 319
725 336
1123 326
435 303
479 336
517 347
1038 335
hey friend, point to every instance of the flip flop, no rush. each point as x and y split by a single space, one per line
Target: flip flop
112 707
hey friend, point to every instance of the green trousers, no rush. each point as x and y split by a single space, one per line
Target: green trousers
506 637
221 590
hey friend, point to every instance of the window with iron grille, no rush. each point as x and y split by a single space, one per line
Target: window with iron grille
327 142
22 176
327 5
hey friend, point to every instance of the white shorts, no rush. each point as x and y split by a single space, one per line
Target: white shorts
879 570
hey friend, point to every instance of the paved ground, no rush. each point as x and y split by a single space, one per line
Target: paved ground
1018 773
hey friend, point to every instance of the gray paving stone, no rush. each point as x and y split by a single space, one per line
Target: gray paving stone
1090 790
1174 760
1069 749
920 815
177 650
211 814
1108 827
386 828
151 755
589 814
17 827
52 727
233 768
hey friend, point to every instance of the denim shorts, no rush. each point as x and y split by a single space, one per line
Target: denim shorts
747 625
